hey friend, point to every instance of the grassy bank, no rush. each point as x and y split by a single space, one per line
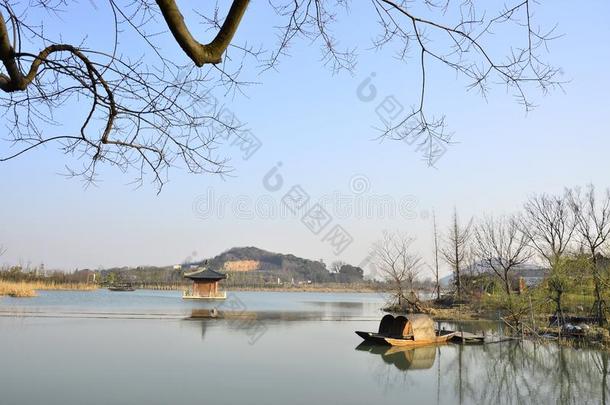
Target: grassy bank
527 316
28 288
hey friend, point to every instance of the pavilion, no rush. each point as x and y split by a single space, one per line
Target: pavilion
205 285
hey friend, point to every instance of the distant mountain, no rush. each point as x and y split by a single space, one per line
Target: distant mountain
288 266
246 265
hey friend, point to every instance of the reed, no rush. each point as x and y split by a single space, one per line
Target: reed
20 289
28 288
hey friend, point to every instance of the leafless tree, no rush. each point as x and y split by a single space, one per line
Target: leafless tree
459 45
456 249
144 112
592 219
548 223
502 246
437 285
148 112
335 266
396 262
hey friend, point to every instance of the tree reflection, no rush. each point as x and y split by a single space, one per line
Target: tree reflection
601 362
502 373
527 372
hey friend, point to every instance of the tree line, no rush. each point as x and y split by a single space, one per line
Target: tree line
567 233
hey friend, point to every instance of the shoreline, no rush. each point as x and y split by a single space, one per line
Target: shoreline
594 337
310 288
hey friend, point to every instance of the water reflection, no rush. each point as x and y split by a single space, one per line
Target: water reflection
503 373
516 370
166 304
402 358
204 313
253 324
336 304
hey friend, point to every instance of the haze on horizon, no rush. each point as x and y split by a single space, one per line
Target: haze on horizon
318 134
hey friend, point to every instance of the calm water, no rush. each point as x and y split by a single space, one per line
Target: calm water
262 348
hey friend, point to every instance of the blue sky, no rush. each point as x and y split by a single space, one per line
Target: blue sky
314 124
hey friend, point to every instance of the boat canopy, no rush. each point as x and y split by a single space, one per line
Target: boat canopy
386 324
422 327
400 327
418 326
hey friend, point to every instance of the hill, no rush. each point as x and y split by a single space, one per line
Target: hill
287 267
246 266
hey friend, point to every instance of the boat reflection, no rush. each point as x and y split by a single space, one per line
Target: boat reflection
402 358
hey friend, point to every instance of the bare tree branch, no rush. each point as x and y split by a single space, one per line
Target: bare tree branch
549 225
139 118
502 246
461 47
592 219
393 257
148 114
209 53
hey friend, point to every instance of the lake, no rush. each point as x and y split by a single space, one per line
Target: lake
263 348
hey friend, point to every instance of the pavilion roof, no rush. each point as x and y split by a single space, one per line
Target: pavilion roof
204 273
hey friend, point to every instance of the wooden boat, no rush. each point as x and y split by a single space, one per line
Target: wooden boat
414 331
122 287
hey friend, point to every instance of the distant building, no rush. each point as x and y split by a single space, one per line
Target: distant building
531 274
